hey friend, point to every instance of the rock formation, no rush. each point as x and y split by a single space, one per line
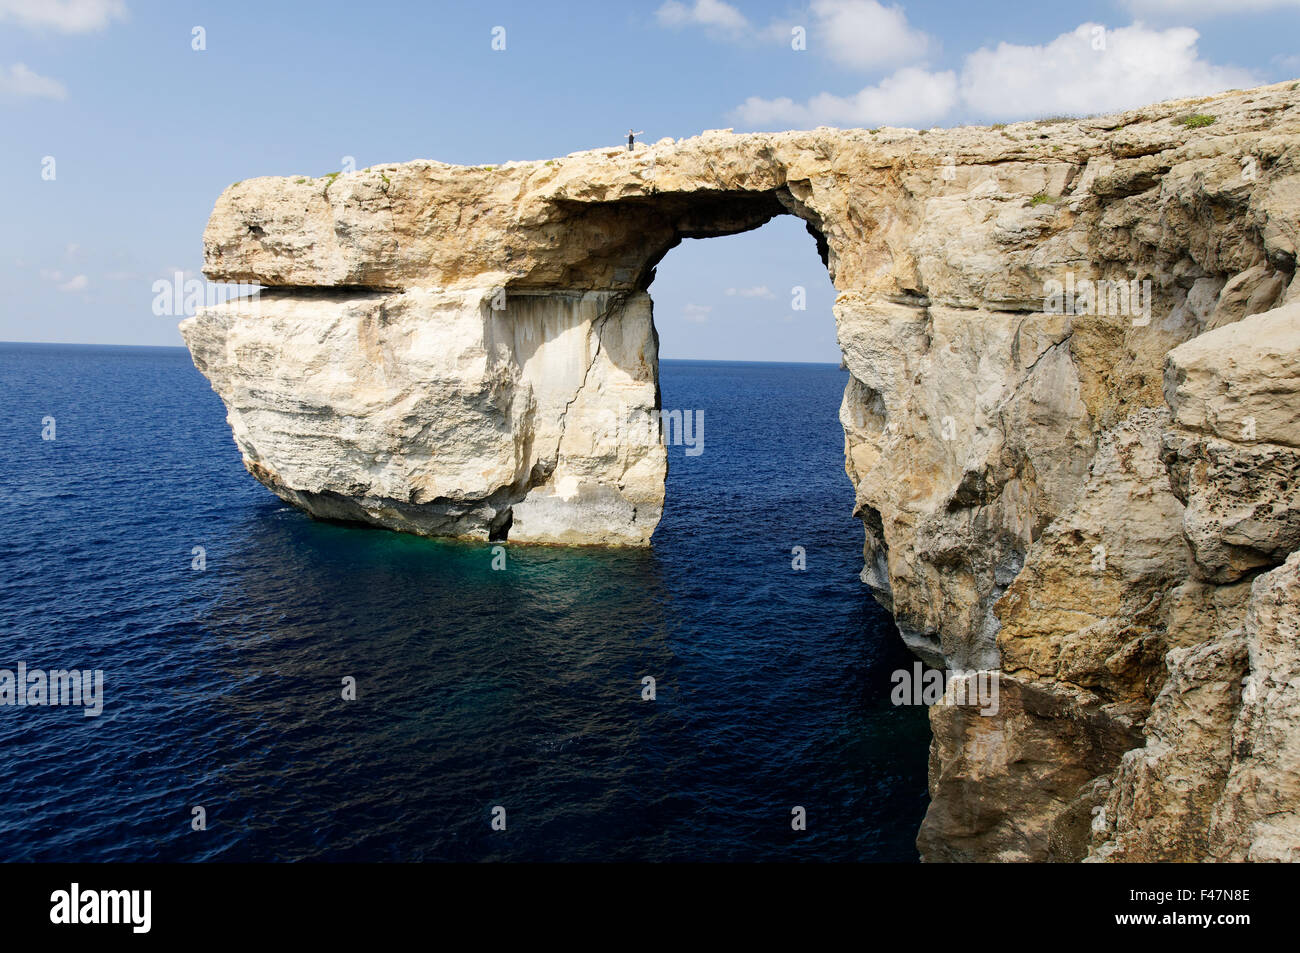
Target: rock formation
1071 419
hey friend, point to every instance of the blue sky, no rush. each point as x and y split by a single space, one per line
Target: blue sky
145 131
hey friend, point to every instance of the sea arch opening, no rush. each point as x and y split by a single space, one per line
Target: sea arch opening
760 541
592 291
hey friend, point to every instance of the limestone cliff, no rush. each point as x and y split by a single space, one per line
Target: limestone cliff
1074 350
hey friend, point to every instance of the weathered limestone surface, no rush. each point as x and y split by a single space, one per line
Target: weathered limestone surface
1219 775
1076 490
1257 817
431 412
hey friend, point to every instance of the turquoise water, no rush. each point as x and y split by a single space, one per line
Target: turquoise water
475 688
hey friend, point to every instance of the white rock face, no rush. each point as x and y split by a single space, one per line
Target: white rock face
1241 383
434 412
1006 301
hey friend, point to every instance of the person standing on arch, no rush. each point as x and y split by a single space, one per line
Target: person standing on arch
631 138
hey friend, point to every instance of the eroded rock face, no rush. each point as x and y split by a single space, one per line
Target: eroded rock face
470 352
435 413
1257 816
1170 799
1217 776
1016 786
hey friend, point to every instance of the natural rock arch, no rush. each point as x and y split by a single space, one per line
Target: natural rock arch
442 347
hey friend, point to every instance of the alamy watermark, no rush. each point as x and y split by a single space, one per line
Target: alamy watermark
54 688
644 427
179 296
931 686
1099 296
81 905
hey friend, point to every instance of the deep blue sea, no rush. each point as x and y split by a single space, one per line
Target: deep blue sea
475 688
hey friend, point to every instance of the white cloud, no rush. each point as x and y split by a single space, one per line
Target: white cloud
861 34
75 283
1202 9
66 16
911 95
699 313
1068 75
18 82
706 13
864 34
759 291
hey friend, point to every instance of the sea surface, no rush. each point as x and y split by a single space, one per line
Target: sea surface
476 688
